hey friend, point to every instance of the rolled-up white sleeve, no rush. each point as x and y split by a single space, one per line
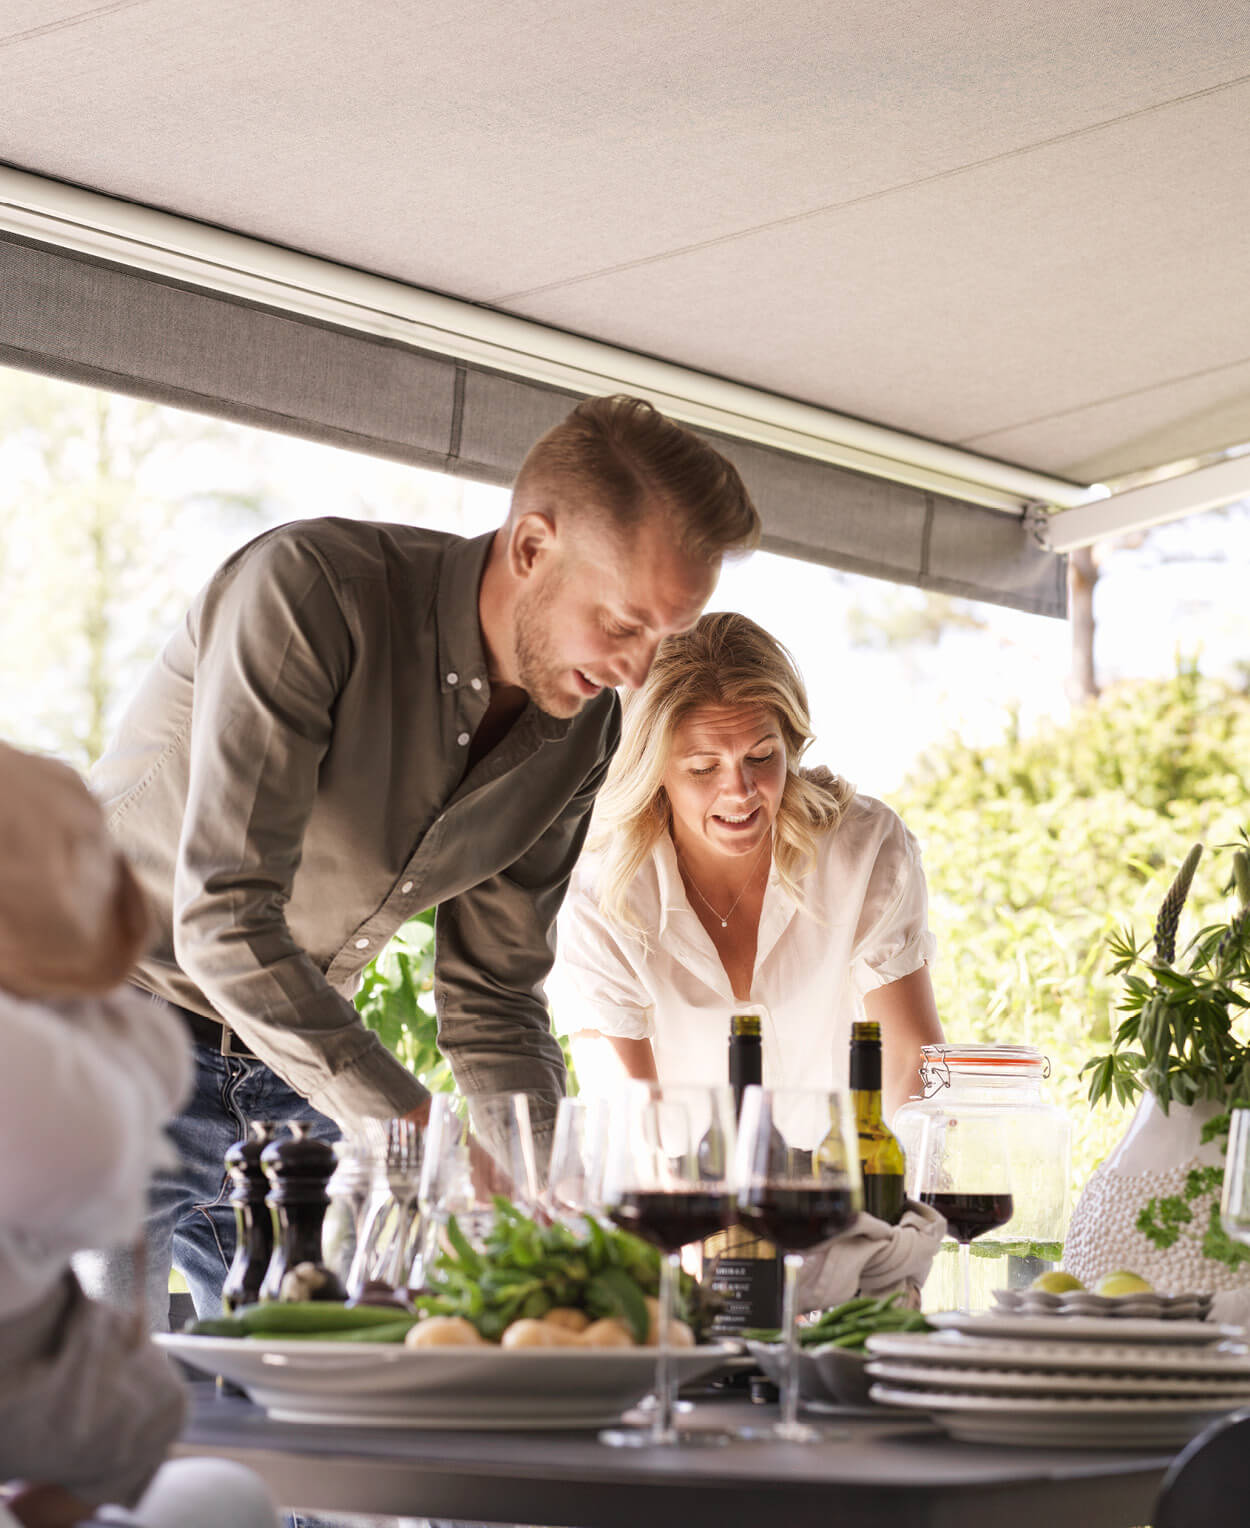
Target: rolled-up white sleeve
893 937
595 983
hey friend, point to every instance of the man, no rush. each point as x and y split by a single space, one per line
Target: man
358 721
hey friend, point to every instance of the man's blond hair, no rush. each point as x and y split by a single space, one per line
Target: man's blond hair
620 459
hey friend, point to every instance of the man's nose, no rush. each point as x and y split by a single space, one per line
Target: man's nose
634 663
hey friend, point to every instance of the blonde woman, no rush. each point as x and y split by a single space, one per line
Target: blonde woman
720 877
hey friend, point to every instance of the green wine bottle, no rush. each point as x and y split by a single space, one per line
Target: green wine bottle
881 1161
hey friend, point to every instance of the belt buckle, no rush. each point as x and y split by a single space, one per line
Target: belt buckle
227 1042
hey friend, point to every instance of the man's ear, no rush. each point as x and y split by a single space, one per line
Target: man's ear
534 539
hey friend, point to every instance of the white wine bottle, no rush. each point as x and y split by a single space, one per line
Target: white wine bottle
881 1161
742 1269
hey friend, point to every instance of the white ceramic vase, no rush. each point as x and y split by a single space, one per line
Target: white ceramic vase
1152 1162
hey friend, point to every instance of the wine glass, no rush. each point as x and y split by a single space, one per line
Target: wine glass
475 1150
575 1177
798 1186
658 1184
1235 1198
964 1173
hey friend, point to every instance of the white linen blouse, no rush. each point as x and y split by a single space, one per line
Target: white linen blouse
864 925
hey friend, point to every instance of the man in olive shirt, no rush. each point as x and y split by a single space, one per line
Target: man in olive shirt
358 721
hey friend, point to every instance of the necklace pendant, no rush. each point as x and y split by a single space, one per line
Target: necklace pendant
724 923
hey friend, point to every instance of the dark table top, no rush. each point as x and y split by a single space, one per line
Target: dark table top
886 1471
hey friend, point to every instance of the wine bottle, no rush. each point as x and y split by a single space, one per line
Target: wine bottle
881 1162
742 1269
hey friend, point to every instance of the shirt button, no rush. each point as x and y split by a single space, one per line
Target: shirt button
475 684
453 679
463 740
362 944
406 887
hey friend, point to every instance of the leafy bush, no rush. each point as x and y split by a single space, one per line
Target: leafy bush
1038 849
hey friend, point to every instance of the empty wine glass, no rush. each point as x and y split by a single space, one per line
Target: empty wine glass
1235 1198
659 1185
575 1176
964 1173
475 1150
387 1243
798 1186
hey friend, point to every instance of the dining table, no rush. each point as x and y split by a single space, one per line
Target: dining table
881 1470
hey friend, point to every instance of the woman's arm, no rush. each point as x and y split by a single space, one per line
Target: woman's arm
604 1061
907 1012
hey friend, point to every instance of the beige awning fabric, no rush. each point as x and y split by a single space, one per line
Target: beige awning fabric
107 325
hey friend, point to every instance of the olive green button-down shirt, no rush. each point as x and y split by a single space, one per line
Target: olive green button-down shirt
291 783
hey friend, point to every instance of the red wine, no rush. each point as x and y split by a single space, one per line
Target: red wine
798 1218
670 1220
971 1215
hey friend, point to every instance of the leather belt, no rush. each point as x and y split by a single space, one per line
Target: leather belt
220 1036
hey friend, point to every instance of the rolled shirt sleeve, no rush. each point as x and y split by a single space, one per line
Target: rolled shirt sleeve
595 984
892 938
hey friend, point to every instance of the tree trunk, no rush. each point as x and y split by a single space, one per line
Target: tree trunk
1082 576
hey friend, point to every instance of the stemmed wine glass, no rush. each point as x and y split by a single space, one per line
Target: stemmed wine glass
1235 1198
964 1173
799 1186
659 1184
575 1178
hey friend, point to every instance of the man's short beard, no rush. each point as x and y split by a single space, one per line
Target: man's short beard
537 672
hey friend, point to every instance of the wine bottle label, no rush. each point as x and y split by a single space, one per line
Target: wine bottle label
749 1291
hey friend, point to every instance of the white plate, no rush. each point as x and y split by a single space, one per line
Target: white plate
372 1384
1083 1302
1040 1382
836 1376
1073 1422
1094 1328
951 1350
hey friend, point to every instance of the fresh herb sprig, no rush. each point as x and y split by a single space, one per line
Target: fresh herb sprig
1176 1039
526 1268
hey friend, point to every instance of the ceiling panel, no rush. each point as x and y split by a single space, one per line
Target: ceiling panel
993 226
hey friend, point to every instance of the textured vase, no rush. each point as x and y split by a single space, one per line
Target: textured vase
1153 1161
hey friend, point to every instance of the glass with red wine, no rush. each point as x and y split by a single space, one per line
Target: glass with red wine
798 1184
667 1178
964 1173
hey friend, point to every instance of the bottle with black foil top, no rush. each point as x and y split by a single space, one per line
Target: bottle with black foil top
298 1168
253 1244
881 1161
742 1269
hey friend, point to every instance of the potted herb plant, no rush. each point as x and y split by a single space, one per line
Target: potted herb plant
1153 1205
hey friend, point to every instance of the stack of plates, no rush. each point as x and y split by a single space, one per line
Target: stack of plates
1084 1382
1080 1302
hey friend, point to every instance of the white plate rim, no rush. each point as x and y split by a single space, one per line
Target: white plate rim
1009 1353
1006 1381
1074 1328
1075 1406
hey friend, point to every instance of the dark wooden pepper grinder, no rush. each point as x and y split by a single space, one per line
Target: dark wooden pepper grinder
298 1168
252 1217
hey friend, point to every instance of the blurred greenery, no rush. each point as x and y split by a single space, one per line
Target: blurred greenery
1037 849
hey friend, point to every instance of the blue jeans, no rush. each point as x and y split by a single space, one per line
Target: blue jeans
190 1224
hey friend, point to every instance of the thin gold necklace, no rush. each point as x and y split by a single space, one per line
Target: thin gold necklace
725 917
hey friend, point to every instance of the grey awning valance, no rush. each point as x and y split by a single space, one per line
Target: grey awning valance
70 315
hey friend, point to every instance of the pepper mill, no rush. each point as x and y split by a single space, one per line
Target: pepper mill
252 1218
298 1168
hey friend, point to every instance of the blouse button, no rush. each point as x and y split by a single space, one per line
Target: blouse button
362 944
463 740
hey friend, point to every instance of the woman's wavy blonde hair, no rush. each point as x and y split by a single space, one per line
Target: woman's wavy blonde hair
726 660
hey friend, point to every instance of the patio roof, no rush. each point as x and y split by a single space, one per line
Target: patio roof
930 264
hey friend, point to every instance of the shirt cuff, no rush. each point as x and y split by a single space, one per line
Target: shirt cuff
375 1086
609 1019
915 953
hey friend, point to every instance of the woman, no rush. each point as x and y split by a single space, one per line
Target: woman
722 878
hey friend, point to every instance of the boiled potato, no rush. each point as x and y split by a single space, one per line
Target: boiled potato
444 1332
679 1334
538 1334
565 1316
607 1333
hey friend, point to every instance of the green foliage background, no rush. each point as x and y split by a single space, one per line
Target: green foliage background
1037 849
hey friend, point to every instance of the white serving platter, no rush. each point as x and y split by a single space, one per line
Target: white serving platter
1084 1328
377 1385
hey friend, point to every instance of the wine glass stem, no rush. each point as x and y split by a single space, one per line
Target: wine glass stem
965 1278
789 1322
662 1429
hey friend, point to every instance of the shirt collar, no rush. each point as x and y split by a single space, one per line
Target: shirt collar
461 655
